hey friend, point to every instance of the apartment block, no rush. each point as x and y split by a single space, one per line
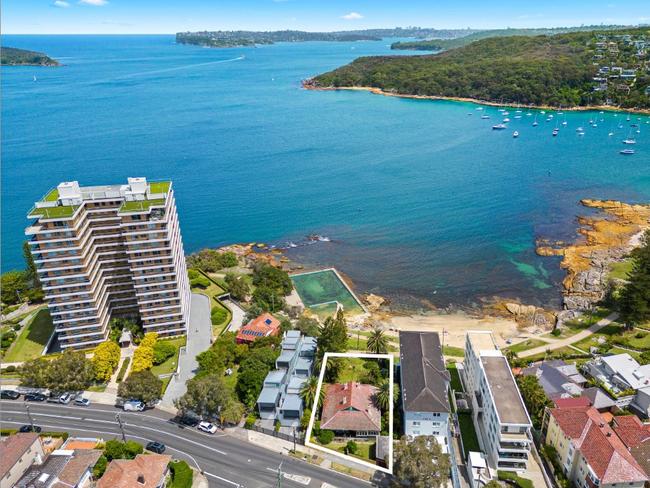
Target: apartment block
103 251
498 411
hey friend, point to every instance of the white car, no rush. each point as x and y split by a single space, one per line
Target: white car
207 427
133 406
82 402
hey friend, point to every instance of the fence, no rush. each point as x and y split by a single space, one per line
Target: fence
299 437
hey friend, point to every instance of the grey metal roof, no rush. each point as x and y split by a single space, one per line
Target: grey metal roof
274 377
291 402
505 393
303 364
269 394
285 357
424 376
598 398
295 384
42 476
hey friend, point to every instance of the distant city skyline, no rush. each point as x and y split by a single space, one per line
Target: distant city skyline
170 16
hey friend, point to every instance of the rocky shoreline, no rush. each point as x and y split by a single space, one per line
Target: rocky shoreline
310 85
605 238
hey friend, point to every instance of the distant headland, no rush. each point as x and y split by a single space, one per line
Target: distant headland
11 56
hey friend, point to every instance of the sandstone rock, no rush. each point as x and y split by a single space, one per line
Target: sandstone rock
374 302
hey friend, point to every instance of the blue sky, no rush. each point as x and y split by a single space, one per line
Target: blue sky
169 16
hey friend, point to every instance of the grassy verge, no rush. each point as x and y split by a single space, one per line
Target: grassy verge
181 475
365 449
352 472
457 352
169 366
525 345
213 291
32 339
620 270
455 377
467 432
572 327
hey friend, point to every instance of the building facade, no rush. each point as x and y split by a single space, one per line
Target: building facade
498 411
425 387
102 251
18 452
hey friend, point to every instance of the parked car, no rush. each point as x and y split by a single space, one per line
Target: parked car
82 402
133 406
157 447
208 427
9 394
28 428
35 397
66 398
189 418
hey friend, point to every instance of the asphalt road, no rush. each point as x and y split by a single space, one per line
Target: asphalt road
227 462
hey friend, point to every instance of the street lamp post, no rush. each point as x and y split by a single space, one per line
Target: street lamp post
29 415
119 421
294 439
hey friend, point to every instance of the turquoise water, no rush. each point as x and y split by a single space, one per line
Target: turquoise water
422 201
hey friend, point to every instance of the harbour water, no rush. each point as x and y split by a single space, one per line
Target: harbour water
422 202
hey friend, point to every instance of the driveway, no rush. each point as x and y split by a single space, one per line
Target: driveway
199 335
570 340
238 315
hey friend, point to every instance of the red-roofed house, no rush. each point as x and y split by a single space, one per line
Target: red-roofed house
349 410
631 430
263 326
571 402
590 452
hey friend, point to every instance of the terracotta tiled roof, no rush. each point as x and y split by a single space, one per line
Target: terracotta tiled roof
350 407
122 473
631 430
74 444
572 402
82 460
599 445
262 326
12 449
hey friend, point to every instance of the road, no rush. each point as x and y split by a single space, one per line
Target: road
227 462
570 340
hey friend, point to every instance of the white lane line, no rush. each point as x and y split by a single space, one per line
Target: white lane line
222 479
303 480
185 439
110 433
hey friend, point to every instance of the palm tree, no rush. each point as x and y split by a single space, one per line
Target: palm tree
377 341
308 392
382 398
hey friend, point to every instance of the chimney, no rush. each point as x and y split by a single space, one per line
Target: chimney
141 479
609 434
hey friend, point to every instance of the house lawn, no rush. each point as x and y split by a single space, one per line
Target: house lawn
467 432
525 345
169 366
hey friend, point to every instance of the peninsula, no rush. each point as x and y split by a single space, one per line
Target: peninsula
252 38
11 56
572 70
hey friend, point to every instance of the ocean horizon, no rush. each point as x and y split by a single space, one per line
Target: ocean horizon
421 201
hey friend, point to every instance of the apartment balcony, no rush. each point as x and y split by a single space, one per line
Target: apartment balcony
511 465
513 456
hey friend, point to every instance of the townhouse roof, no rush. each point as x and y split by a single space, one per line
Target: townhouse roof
557 380
145 471
262 326
508 402
603 450
572 402
81 461
631 430
350 407
425 379
598 398
12 448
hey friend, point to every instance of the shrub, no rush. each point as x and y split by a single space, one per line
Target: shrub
277 426
56 435
351 447
125 366
192 274
100 467
218 315
105 360
250 421
5 432
162 351
640 335
182 474
515 480
200 282
556 332
17 327
10 369
325 436
143 355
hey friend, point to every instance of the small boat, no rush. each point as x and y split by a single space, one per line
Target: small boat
556 132
560 113
470 113
499 127
627 151
591 121
581 134
535 123
479 108
634 125
542 112
515 134
506 113
610 134
594 124
564 123
517 116
529 114
629 141
485 116
506 120
34 77
580 129
550 116
517 111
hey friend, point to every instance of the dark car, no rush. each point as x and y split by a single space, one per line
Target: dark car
157 447
35 397
29 428
188 419
9 394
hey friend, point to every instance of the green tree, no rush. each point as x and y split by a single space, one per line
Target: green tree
13 286
333 335
71 371
33 373
208 396
237 286
308 392
377 341
31 274
141 385
308 326
634 302
265 275
420 463
162 351
383 398
114 449
100 467
534 398
105 360
268 299
250 380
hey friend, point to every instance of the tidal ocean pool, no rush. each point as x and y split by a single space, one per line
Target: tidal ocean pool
422 202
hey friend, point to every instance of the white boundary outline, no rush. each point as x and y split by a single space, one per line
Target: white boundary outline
314 409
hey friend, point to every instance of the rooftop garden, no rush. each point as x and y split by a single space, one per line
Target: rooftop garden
141 205
58 212
159 186
52 196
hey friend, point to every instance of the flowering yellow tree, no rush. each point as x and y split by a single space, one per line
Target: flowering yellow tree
143 355
105 360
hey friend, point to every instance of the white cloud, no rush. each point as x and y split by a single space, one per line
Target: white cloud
96 3
61 4
352 16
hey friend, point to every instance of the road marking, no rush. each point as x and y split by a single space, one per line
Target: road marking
185 439
222 479
303 480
